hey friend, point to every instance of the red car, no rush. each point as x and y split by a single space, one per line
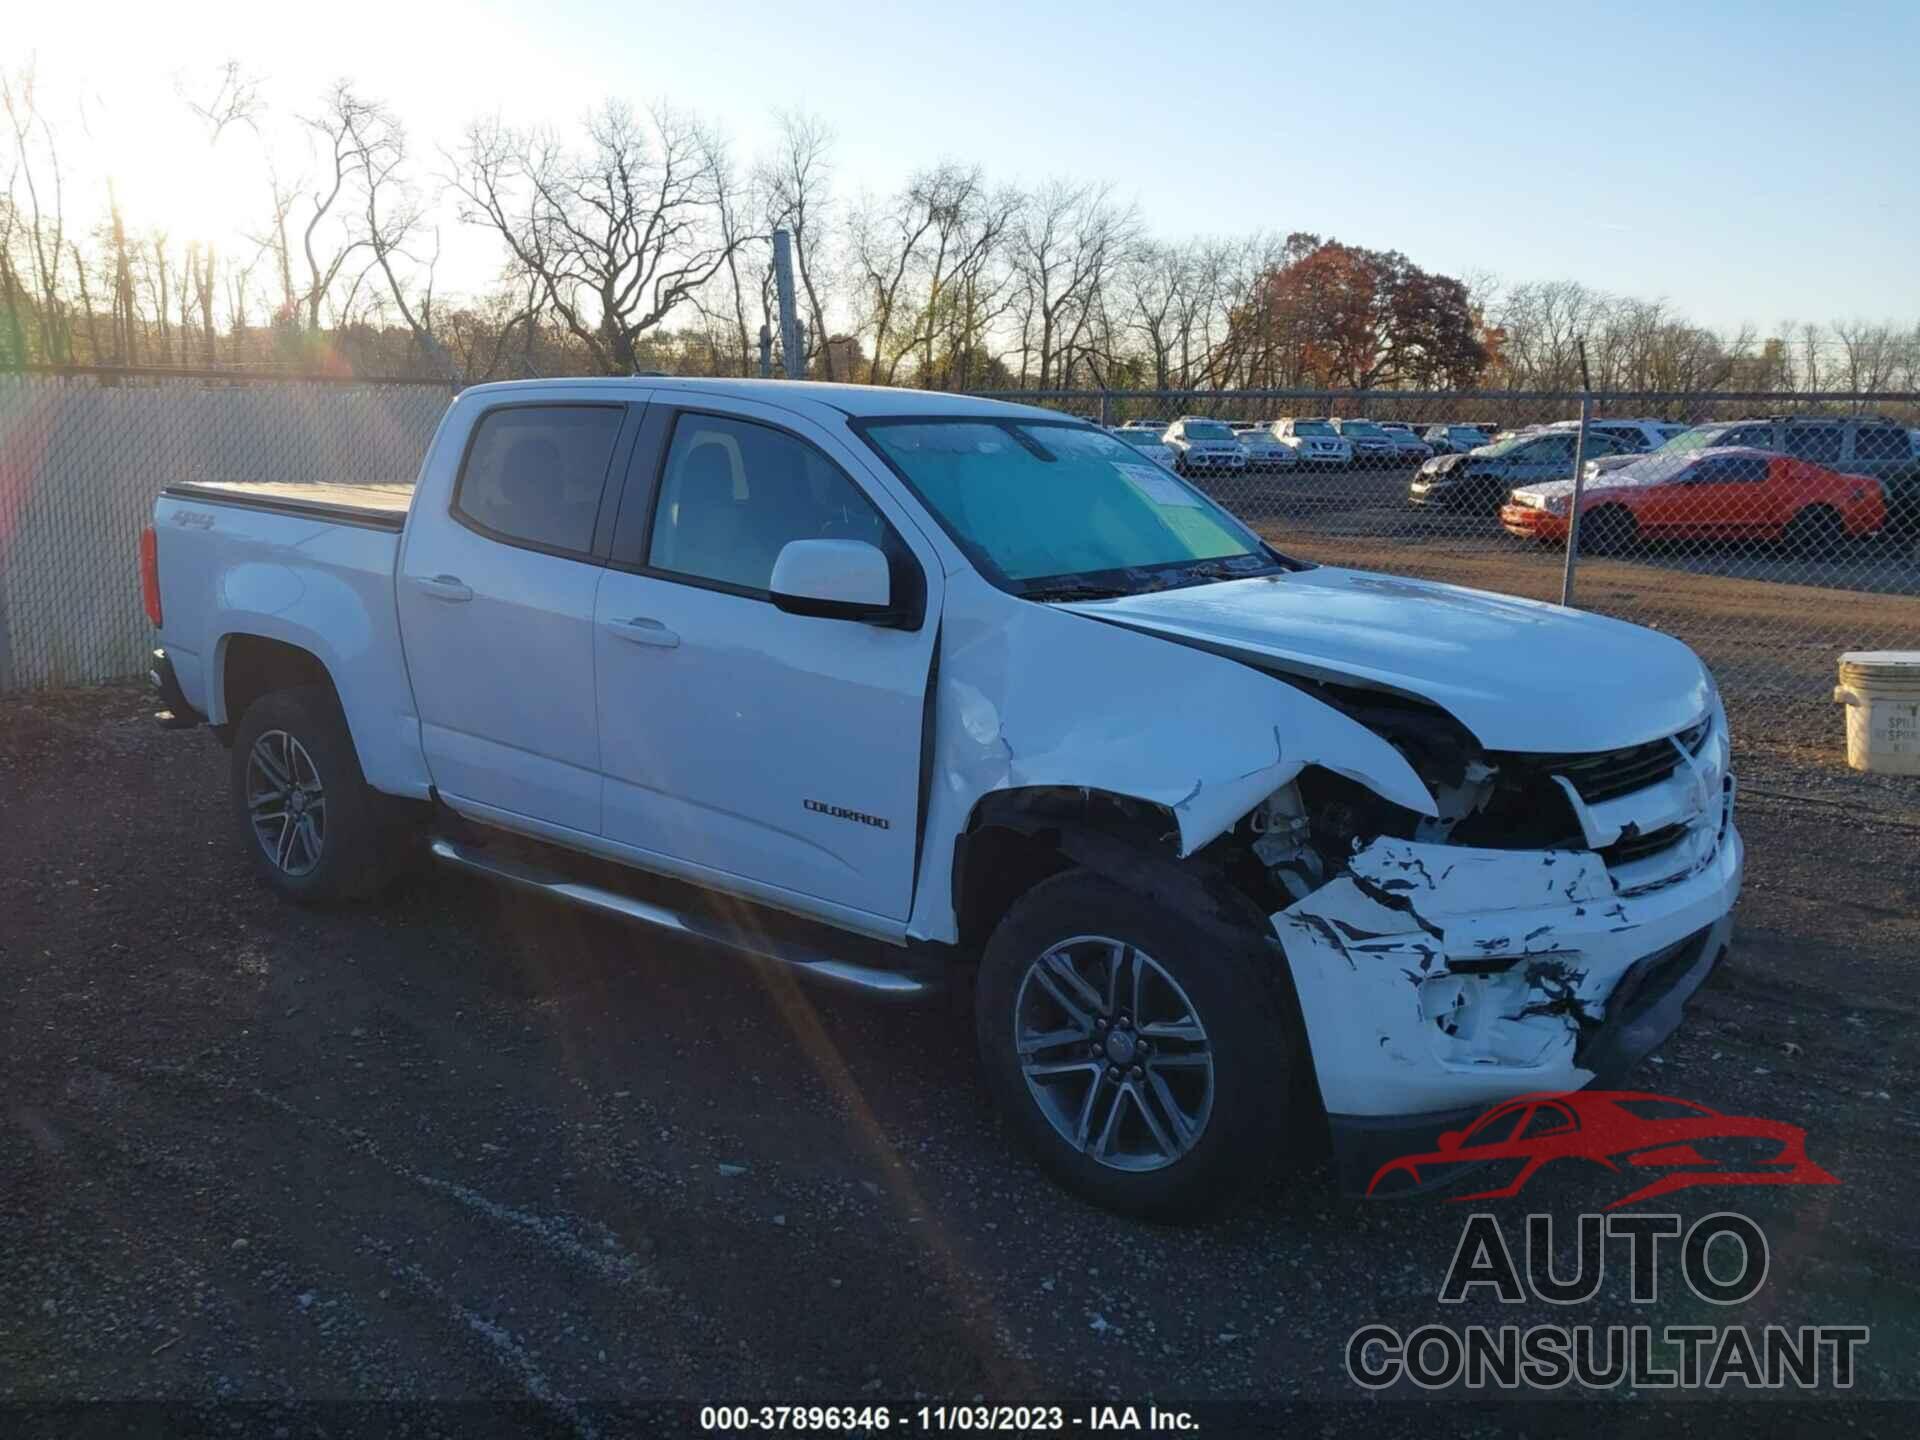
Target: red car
1674 1144
1719 494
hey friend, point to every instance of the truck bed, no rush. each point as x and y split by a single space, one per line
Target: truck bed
382 507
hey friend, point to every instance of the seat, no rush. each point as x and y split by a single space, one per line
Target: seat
704 537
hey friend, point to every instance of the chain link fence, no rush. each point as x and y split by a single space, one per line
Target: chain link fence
83 456
1769 532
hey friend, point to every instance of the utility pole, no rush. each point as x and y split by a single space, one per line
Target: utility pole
790 348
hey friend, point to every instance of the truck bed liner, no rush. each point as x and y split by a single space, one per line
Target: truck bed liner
382 507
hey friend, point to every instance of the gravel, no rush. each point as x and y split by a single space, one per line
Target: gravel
463 1147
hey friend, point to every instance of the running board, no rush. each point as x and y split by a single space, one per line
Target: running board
868 979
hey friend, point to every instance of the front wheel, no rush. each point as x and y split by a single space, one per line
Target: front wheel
1609 530
1143 1062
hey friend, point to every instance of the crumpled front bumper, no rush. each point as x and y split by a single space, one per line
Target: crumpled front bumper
1435 980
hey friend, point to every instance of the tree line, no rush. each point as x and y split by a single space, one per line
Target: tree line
637 241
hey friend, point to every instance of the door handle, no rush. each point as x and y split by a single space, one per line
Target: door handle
644 630
444 587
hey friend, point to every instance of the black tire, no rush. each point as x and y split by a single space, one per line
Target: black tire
1239 993
1816 532
355 845
1609 530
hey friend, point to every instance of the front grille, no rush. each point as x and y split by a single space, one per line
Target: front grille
1613 773
1639 847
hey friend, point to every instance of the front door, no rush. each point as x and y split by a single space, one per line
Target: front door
780 749
496 614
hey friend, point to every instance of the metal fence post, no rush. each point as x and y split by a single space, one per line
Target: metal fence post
1573 512
1106 410
1579 480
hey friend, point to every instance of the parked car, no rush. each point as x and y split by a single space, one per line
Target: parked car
1723 493
1373 448
1148 443
1203 446
1455 439
1265 453
1408 448
906 691
1856 445
1314 442
1479 481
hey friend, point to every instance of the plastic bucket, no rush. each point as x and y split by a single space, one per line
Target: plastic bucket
1881 690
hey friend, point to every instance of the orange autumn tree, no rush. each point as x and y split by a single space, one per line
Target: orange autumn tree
1333 315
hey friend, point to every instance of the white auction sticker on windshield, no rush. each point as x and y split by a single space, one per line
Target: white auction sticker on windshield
1157 485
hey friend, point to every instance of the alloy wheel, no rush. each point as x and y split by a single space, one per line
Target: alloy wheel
1114 1053
286 802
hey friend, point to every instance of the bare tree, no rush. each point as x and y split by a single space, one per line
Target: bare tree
233 100
392 218
45 213
1064 243
798 199
619 234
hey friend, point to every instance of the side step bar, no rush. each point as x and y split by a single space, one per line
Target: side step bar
867 979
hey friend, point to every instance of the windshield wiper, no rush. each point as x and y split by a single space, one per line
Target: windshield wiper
1074 590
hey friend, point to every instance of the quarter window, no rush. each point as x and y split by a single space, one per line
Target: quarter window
734 493
534 474
1881 442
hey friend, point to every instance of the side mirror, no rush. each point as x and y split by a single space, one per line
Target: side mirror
835 580
1450 1140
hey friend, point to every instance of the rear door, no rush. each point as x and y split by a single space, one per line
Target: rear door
496 608
779 754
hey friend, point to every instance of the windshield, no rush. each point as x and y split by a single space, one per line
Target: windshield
1363 428
1698 438
1031 502
1312 427
1512 443
1206 430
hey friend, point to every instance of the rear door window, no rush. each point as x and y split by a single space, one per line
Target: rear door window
1818 443
534 474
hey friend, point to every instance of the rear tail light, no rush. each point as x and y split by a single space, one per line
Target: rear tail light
150 574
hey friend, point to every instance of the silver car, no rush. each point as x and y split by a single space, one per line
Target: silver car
1265 453
1202 446
1408 447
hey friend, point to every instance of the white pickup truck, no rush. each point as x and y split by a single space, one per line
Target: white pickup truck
920 694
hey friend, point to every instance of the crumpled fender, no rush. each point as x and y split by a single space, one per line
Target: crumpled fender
1029 695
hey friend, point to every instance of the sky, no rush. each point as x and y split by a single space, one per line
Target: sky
1750 162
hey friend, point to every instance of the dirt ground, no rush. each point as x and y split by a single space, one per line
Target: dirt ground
465 1162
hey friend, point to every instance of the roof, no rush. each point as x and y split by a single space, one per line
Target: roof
857 400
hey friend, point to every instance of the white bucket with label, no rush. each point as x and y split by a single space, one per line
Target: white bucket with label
1881 690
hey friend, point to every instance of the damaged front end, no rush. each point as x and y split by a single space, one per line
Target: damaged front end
1543 928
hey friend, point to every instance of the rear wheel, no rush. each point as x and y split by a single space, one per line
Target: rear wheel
1609 530
1139 1059
311 822
1815 532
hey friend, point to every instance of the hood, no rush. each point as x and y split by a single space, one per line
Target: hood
1637 474
1444 464
1521 675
